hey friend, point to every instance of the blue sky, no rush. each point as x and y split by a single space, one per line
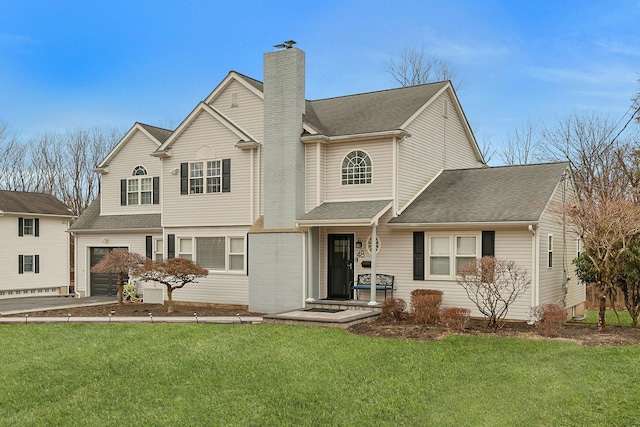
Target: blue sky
67 64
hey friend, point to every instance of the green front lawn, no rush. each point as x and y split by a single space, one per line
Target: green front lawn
266 375
610 318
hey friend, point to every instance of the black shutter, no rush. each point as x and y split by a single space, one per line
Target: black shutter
36 264
20 226
226 175
171 246
36 227
184 178
156 190
20 264
488 243
247 252
123 192
149 245
418 255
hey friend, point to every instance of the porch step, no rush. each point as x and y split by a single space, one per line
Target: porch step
331 315
345 305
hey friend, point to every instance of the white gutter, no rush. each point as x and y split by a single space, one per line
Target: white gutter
461 224
397 133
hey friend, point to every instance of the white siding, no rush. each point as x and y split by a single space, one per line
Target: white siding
135 152
551 291
436 143
52 246
381 187
248 114
311 171
217 287
233 208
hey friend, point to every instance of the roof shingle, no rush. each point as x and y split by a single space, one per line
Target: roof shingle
92 220
485 195
28 202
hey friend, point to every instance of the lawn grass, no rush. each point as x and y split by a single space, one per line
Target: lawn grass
267 375
591 317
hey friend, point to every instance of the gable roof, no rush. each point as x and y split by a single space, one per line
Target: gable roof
19 202
155 134
91 220
369 112
485 195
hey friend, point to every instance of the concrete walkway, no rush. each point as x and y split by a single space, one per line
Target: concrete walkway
25 306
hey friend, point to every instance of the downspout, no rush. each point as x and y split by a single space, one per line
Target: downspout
374 249
534 270
394 176
305 267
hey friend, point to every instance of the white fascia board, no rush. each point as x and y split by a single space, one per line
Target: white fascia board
502 224
232 76
359 222
398 133
136 127
40 214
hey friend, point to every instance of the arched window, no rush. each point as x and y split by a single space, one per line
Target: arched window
356 168
139 170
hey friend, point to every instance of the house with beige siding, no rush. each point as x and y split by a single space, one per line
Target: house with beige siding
287 200
34 256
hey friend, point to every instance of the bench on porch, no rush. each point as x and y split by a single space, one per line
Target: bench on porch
384 282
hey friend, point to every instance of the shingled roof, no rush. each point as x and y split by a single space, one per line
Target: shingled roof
35 203
160 134
485 195
91 220
368 112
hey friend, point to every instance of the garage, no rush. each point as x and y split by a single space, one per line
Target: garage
102 284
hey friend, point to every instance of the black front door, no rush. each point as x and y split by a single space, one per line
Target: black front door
340 261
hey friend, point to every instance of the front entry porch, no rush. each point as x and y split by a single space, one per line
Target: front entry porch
327 313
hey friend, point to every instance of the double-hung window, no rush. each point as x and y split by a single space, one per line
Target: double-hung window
185 248
27 227
139 190
220 253
214 177
448 254
209 172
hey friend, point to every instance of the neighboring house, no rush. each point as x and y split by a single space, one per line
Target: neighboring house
34 256
284 199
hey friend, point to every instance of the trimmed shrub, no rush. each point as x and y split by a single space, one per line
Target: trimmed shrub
393 308
550 319
425 304
455 318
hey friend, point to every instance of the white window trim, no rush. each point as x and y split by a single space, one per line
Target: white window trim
227 254
139 191
205 176
25 227
24 264
179 253
452 253
370 174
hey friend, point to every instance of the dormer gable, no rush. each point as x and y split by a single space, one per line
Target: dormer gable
155 134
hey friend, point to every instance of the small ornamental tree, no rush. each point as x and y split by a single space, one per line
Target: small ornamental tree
174 273
493 284
120 262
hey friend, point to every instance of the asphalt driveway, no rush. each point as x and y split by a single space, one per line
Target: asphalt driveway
31 304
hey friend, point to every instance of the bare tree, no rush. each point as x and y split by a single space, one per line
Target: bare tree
493 285
415 68
174 273
523 147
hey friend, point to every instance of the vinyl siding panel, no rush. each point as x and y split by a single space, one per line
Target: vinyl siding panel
232 208
551 290
248 114
135 152
218 287
381 187
435 143
52 246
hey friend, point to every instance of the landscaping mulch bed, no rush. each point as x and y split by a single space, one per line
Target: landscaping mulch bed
580 333
140 309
